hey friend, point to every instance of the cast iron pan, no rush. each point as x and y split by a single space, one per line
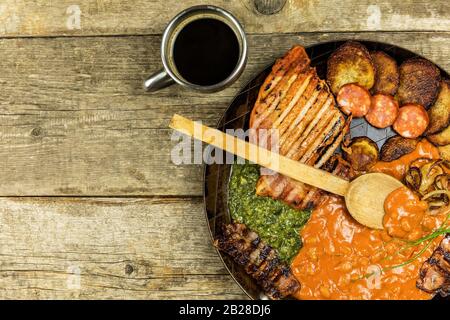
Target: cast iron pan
237 115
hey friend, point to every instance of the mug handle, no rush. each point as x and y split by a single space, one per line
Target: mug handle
158 80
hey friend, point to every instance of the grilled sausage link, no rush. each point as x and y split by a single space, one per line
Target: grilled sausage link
258 259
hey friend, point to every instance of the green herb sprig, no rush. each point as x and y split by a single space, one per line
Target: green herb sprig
428 239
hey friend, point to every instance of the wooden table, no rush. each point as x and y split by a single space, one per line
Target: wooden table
91 205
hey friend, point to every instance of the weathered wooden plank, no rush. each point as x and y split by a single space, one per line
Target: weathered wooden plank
109 248
102 17
74 119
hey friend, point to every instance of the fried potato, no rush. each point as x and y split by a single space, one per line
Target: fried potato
444 152
395 147
419 82
439 112
362 153
387 76
442 138
350 63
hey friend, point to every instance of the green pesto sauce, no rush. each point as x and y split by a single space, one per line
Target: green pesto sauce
275 222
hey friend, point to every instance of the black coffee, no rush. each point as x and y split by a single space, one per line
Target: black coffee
206 51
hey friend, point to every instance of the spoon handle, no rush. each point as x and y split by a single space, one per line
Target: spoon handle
268 159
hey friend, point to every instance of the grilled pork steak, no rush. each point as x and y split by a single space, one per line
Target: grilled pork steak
298 105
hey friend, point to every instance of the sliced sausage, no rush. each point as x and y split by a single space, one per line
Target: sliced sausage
383 111
412 121
354 99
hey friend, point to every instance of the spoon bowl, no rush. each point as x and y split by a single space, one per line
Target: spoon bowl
365 198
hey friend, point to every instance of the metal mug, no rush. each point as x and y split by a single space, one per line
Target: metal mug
169 74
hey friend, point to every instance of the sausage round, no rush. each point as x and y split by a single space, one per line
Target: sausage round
354 99
412 121
383 111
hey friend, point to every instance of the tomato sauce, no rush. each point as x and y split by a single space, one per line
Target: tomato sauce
406 216
398 168
342 259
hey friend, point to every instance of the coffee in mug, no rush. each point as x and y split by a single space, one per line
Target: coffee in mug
204 48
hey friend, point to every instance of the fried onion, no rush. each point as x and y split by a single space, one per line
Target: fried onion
431 180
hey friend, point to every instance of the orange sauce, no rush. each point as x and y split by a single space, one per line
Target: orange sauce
406 216
398 168
342 259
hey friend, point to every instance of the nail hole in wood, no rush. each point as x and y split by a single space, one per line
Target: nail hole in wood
269 7
36 132
129 269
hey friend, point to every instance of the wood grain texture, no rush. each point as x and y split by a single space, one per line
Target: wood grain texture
75 120
121 248
113 17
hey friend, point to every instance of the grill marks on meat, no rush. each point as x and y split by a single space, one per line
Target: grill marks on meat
259 260
270 106
301 129
434 275
296 56
300 107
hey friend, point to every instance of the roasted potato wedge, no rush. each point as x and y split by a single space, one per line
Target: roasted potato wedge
387 76
362 153
350 63
395 147
441 138
439 113
444 152
419 82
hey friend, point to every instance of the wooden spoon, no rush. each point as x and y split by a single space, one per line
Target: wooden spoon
364 196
